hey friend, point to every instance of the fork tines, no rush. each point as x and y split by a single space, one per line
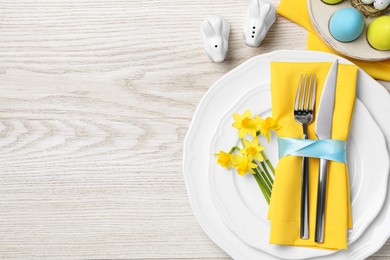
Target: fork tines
302 99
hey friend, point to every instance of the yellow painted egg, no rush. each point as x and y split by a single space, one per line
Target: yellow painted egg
332 2
378 33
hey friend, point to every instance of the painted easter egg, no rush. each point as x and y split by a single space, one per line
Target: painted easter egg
346 24
381 4
378 33
332 2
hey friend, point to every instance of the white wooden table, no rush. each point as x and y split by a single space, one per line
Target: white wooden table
95 99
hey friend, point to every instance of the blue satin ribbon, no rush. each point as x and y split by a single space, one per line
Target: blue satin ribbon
332 150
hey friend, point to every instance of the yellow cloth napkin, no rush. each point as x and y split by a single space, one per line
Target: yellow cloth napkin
284 212
296 11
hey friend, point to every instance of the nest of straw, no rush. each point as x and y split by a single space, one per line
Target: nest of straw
369 10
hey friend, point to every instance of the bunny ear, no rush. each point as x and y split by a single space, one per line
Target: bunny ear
254 9
265 8
207 28
218 25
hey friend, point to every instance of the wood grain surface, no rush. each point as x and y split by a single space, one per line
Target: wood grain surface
96 97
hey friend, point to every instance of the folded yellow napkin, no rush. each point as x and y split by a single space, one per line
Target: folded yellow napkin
284 212
296 11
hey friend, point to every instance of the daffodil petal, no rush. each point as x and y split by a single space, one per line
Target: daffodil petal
246 143
236 160
258 118
236 125
242 132
252 165
278 126
247 113
268 136
252 132
241 172
259 157
237 116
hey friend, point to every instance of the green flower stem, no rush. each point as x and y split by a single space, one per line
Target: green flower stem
261 186
268 162
233 149
261 172
267 192
267 172
261 178
265 195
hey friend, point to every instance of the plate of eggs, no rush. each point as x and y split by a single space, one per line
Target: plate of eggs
350 31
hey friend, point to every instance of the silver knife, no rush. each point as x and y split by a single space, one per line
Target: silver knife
323 130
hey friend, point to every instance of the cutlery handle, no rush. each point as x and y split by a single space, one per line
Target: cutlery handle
304 232
305 199
321 199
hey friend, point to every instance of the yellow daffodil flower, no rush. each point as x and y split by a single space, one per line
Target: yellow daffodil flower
243 164
245 124
252 149
224 159
266 125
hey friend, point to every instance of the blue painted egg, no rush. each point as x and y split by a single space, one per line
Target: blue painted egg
346 24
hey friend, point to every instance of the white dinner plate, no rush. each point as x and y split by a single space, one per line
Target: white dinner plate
373 96
240 202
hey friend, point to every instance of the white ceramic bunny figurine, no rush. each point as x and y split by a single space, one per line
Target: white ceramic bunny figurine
215 35
259 18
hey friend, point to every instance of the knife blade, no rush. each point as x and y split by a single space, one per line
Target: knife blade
323 130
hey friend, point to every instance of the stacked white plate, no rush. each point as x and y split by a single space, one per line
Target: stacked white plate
230 208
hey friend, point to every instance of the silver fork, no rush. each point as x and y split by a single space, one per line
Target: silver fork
303 114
